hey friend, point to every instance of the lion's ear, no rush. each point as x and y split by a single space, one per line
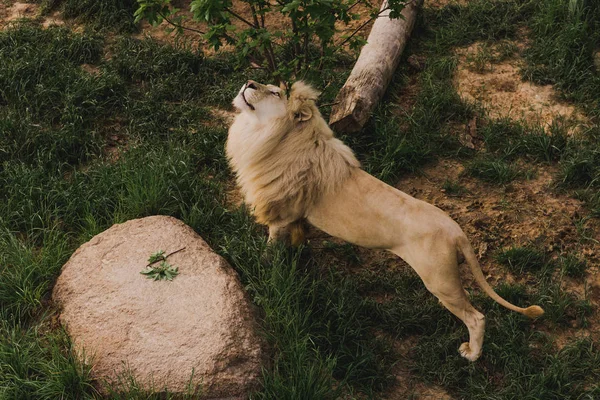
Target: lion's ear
303 114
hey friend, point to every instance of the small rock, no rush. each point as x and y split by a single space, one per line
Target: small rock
197 329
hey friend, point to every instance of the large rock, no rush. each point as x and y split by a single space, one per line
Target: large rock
199 326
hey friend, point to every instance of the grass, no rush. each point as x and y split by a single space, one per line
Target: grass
41 364
565 38
453 188
101 14
493 170
335 332
391 144
523 259
509 140
573 266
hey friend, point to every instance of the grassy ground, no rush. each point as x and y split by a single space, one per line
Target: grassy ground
75 127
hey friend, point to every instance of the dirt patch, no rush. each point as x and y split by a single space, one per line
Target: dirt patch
53 19
494 217
13 12
493 80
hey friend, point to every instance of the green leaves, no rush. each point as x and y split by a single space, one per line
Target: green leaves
154 11
164 271
211 10
156 257
303 43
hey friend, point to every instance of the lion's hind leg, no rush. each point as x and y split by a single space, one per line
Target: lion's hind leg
441 277
473 319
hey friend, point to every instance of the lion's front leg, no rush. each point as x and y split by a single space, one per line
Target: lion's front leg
292 233
278 233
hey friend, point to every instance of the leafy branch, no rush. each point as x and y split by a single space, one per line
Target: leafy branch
164 271
284 53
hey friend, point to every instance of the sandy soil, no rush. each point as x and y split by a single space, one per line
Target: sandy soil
498 87
13 12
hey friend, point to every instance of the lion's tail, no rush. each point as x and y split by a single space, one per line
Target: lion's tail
467 250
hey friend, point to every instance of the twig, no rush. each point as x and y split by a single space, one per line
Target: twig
254 15
367 22
353 5
164 258
179 25
241 18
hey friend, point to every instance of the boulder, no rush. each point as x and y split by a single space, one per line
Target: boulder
196 332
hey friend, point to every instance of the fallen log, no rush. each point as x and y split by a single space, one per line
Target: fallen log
374 69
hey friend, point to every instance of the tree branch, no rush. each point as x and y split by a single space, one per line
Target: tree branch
164 258
361 27
241 18
179 25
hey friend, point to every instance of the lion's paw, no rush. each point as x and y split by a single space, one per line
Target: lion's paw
466 352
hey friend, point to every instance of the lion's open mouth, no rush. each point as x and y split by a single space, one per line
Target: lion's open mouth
246 101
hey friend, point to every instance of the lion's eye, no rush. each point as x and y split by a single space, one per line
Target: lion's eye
276 94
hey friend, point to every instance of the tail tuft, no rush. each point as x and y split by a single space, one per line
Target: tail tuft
534 311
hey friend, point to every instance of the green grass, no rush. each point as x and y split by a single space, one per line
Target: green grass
561 306
39 363
453 188
509 140
52 108
493 170
565 36
391 144
101 14
333 331
523 259
573 266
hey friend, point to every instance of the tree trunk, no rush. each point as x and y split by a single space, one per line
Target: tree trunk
373 70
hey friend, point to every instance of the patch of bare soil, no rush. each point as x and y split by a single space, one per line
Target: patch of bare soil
495 217
528 212
53 19
484 77
14 11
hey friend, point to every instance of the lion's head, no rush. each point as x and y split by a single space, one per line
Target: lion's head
283 152
267 102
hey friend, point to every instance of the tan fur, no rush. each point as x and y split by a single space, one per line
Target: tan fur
290 168
285 171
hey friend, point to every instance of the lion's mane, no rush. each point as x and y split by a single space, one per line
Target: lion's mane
291 166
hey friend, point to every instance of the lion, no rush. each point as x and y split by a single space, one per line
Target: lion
290 168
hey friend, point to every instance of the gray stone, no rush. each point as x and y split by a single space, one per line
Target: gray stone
200 326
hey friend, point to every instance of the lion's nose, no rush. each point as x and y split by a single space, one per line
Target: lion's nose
251 84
